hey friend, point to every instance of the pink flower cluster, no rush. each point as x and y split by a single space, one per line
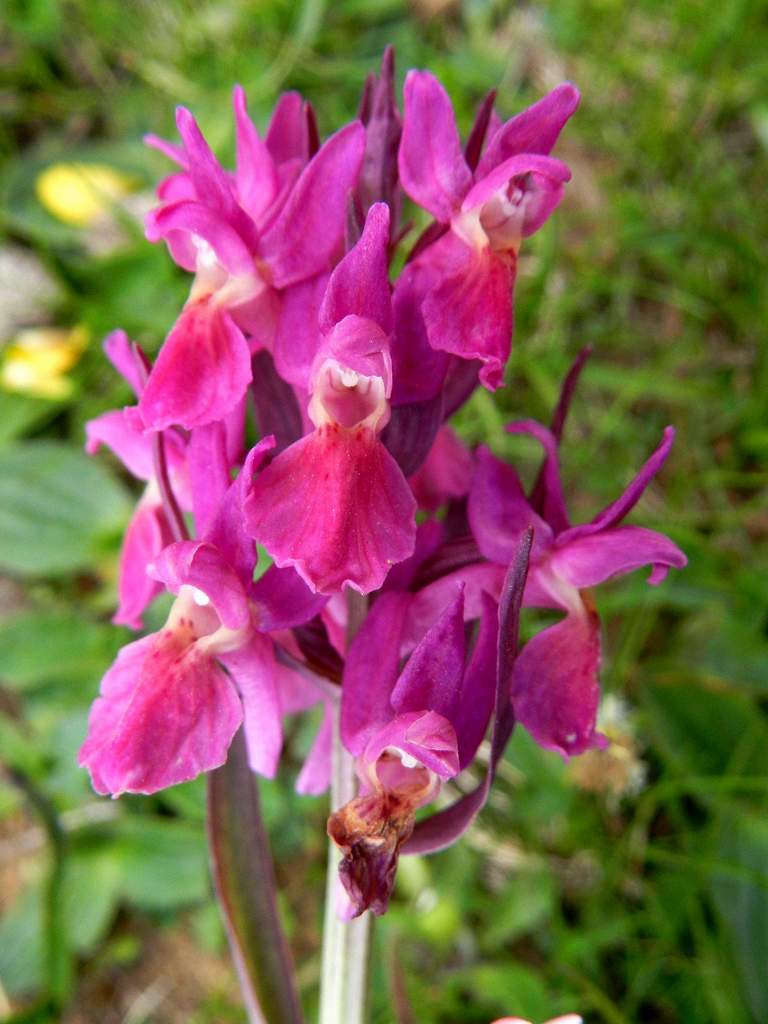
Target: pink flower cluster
296 331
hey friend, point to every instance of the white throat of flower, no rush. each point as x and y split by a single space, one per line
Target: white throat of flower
348 398
194 619
497 223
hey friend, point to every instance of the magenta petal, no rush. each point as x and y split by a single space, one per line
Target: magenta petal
469 310
555 689
286 136
302 239
620 508
527 169
176 153
370 670
499 512
427 604
540 180
196 564
362 346
209 179
213 187
208 465
166 713
553 503
429 536
119 350
433 170
283 600
359 285
256 175
434 672
298 335
335 506
146 536
446 472
315 775
201 373
234 432
418 369
590 560
299 690
256 674
175 188
424 735
181 222
125 437
226 531
535 130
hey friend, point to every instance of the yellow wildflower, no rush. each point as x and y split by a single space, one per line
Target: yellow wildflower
38 358
79 193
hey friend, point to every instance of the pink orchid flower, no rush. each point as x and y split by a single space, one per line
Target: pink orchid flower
462 283
172 702
246 238
569 1018
555 688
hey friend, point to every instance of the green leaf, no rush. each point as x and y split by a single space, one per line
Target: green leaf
505 987
21 943
744 905
58 508
524 905
162 863
90 892
682 718
20 413
17 750
54 646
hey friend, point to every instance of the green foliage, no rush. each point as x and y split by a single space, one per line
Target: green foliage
648 907
58 509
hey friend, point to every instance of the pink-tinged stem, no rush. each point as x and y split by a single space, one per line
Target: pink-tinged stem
170 505
244 878
344 982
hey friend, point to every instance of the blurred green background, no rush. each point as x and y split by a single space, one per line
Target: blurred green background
631 886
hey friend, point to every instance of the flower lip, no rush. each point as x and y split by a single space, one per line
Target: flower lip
347 397
194 622
397 771
502 216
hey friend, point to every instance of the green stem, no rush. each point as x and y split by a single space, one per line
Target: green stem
345 943
344 980
245 885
